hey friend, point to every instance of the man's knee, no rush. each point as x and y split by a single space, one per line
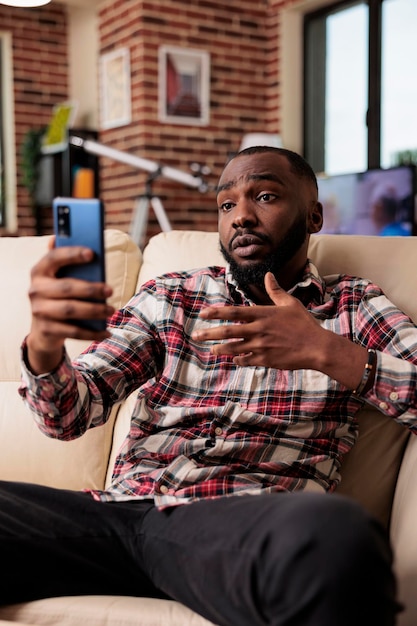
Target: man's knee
328 551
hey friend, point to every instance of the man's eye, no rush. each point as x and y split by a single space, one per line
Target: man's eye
226 206
266 197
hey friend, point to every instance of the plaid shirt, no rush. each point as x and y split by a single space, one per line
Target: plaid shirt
202 427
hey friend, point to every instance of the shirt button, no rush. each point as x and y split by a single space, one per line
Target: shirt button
393 396
163 489
63 378
383 406
218 430
51 414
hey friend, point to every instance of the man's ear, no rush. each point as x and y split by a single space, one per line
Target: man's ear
315 220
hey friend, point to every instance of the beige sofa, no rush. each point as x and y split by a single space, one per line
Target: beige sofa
381 471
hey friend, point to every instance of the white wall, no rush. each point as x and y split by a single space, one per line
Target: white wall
291 76
83 42
7 105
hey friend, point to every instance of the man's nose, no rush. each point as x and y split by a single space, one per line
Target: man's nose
244 213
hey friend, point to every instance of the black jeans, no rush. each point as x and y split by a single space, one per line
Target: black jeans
282 559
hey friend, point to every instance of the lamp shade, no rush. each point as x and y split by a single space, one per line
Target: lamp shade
24 3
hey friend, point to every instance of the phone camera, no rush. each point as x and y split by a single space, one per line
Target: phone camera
64 229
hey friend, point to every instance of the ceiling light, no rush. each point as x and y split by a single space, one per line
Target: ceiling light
24 3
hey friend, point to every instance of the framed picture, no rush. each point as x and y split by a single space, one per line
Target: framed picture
115 89
55 138
184 86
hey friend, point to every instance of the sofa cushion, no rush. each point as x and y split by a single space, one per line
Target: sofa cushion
403 533
389 262
27 455
370 469
103 611
179 250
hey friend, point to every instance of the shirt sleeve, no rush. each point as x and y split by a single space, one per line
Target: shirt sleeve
79 395
55 399
381 325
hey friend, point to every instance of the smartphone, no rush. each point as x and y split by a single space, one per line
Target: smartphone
80 222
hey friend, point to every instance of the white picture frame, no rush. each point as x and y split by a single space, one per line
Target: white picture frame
183 86
116 107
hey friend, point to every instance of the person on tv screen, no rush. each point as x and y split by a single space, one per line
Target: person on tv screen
385 212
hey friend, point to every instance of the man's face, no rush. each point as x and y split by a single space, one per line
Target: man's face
266 213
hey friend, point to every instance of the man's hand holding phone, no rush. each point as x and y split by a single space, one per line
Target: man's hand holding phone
67 295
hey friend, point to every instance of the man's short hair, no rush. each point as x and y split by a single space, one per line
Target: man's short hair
298 164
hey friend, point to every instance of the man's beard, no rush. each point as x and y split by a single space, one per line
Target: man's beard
254 274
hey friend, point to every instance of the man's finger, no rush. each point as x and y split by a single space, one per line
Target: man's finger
59 257
273 289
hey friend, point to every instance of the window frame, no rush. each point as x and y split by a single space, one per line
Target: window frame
314 99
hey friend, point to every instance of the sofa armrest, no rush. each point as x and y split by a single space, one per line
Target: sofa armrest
403 531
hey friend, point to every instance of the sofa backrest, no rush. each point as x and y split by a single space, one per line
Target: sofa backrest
388 261
25 453
370 470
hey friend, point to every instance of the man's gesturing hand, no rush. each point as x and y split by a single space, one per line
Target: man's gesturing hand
284 335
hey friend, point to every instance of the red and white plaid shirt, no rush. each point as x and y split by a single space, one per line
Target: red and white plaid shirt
203 427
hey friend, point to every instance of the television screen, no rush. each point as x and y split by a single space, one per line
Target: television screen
375 202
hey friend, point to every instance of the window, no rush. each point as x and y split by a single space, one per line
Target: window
360 85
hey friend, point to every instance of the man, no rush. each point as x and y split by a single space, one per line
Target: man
248 381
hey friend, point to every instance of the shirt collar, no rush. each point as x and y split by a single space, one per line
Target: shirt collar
310 289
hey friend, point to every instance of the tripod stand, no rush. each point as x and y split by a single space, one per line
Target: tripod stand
141 213
141 207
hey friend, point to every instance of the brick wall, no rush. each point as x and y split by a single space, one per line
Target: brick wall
40 72
242 39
